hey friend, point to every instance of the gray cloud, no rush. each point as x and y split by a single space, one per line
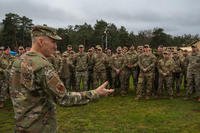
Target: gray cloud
175 16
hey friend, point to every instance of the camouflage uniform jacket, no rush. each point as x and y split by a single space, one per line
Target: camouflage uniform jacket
118 62
35 87
65 68
100 61
177 65
81 62
147 62
131 59
165 67
193 62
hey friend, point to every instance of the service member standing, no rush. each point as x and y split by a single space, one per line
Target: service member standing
193 74
36 86
81 67
146 62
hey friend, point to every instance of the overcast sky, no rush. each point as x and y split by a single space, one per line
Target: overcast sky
177 17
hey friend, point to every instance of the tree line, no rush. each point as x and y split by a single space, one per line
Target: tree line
16 32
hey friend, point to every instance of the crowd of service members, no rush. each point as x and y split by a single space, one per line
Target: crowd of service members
158 74
161 73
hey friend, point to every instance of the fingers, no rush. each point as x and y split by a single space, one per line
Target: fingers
104 84
110 90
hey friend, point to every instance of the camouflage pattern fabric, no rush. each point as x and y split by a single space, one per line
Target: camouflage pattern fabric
35 87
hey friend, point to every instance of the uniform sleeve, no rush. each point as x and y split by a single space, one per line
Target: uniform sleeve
152 65
139 63
63 97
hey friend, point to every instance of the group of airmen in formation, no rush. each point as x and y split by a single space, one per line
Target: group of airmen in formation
155 74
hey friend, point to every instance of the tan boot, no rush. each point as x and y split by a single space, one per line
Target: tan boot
1 104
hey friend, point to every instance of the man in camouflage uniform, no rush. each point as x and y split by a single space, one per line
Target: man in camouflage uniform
5 64
117 65
159 56
139 51
165 68
65 71
100 60
90 68
193 74
131 59
177 72
184 74
68 51
36 86
81 67
146 62
108 67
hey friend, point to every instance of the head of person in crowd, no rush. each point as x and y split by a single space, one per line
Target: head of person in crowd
69 47
90 52
119 50
21 50
27 49
160 49
58 53
175 54
146 48
64 55
93 49
166 54
96 48
81 48
99 50
140 49
194 48
1 49
132 48
125 49
109 52
44 40
185 52
7 51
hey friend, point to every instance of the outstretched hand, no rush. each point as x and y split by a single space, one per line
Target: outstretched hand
102 91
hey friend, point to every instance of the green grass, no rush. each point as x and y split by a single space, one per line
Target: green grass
122 115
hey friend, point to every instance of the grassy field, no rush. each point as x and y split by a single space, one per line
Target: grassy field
122 115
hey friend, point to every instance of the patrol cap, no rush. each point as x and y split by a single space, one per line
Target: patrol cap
21 48
165 52
64 54
39 30
97 46
146 46
69 46
119 48
81 46
194 46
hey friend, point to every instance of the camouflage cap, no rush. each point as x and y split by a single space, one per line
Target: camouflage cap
81 46
69 46
39 30
194 46
165 52
119 48
146 46
20 47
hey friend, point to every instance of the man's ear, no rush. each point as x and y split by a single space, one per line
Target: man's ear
41 42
